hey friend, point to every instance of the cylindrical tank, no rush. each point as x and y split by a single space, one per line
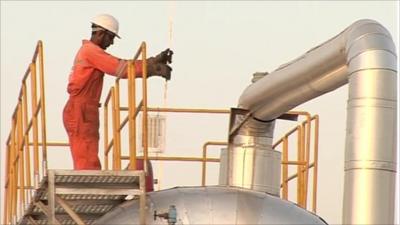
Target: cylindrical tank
211 205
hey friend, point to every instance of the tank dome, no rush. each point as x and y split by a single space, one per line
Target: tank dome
212 205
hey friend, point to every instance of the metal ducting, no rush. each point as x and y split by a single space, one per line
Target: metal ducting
250 161
211 205
364 56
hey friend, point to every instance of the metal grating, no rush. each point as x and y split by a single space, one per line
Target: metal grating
87 209
96 179
86 197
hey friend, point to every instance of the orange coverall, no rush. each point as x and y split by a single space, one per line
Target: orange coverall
81 113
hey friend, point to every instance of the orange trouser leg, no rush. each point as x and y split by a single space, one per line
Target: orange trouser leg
84 152
83 135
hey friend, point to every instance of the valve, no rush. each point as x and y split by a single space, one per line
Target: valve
170 216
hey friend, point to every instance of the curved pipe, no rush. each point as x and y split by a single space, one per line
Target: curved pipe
364 56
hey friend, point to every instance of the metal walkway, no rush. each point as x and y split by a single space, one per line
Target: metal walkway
81 197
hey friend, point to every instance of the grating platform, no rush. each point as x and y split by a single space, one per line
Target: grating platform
70 197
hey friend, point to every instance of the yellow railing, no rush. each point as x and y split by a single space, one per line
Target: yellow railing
28 132
303 131
114 96
114 143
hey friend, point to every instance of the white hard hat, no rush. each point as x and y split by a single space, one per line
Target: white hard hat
107 22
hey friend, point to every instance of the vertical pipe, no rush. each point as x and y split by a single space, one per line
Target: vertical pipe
131 114
144 111
370 154
285 172
364 56
117 137
34 126
43 109
315 169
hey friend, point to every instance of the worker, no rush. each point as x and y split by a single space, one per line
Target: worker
81 112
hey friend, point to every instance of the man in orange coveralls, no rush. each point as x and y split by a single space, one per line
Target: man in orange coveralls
81 113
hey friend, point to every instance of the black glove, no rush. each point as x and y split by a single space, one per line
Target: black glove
164 57
158 69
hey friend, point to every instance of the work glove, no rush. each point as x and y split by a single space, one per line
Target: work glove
164 57
158 69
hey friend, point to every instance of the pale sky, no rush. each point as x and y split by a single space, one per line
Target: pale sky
217 45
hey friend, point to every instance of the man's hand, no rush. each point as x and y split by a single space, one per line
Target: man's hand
158 65
158 69
164 57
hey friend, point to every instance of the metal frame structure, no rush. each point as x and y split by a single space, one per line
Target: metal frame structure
32 192
82 196
22 173
303 162
364 56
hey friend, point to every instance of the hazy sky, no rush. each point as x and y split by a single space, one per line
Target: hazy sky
217 45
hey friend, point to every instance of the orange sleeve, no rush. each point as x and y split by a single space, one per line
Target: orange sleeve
110 64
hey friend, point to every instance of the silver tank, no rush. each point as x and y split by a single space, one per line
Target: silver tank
212 205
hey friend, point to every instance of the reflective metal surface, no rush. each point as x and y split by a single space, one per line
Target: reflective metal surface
370 157
251 162
213 205
364 56
253 169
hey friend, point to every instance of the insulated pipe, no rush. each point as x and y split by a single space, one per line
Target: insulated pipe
252 163
364 56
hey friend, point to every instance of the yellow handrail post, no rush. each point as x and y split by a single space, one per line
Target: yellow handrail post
131 114
285 190
307 128
203 163
7 186
117 137
204 159
35 126
13 171
26 138
144 111
21 158
106 145
115 127
43 108
303 159
105 117
315 171
299 167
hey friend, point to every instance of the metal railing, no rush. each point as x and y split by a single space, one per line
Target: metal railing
114 96
114 143
303 131
28 132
